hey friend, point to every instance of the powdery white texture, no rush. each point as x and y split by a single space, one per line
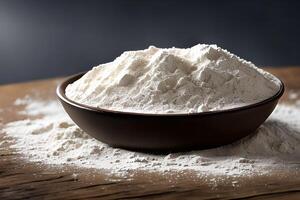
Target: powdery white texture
155 80
55 139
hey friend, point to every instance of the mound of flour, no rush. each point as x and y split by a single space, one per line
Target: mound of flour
48 135
154 80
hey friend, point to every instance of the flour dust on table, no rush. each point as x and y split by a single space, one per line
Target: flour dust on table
49 136
174 80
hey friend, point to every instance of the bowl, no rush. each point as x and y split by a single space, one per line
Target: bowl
167 132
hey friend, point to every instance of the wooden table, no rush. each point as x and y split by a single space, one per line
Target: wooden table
20 179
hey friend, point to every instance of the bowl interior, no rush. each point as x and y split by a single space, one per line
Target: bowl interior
62 87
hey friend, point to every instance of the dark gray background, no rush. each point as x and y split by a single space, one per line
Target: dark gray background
40 38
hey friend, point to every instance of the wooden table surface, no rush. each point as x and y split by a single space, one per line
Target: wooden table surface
20 179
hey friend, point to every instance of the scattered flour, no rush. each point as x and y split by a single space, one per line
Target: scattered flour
293 96
155 80
54 139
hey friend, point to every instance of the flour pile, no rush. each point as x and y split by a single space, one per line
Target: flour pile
54 139
155 80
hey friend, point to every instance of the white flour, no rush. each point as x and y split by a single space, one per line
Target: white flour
55 139
154 80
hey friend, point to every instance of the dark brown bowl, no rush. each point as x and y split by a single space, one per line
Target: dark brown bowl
167 132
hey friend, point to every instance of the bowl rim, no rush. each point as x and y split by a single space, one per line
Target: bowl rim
60 91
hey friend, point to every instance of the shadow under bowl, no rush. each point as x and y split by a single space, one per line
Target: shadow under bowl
158 133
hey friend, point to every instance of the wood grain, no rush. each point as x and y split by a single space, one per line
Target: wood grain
20 179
